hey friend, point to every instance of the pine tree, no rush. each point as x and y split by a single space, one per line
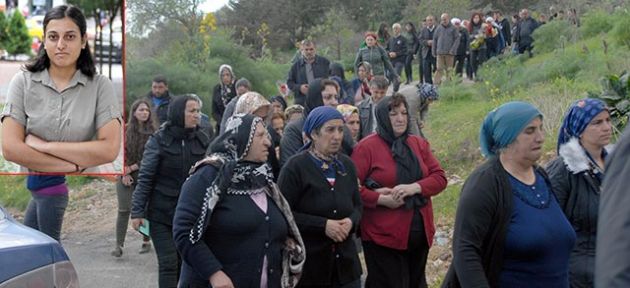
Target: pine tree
19 42
3 30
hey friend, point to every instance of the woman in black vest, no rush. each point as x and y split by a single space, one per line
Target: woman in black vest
168 156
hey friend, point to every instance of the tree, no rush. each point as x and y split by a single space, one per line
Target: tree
3 30
146 15
336 32
19 42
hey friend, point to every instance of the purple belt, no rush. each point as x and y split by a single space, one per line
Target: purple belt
56 190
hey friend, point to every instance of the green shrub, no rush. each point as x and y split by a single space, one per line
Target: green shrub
198 73
596 22
552 35
18 41
621 32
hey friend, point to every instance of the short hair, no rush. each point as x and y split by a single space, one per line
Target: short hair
160 79
307 42
329 82
243 82
396 25
278 115
397 99
379 82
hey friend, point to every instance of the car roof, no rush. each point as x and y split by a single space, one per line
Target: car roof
23 249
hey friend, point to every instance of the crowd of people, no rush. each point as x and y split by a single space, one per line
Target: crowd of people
278 195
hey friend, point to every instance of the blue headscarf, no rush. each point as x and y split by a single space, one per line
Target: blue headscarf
503 124
580 113
318 117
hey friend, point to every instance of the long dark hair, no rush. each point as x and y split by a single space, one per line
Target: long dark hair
137 133
383 33
85 63
413 28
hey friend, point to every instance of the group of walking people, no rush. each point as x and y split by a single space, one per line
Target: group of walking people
264 204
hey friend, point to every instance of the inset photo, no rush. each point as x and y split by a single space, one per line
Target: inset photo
61 87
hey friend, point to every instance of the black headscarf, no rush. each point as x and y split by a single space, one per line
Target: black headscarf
175 122
313 96
280 100
240 177
407 166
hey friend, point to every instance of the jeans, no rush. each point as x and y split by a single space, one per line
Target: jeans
168 259
45 213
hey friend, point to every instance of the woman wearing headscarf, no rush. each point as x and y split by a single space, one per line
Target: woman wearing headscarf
223 93
361 83
168 156
278 104
576 177
337 73
256 104
320 185
509 229
397 225
351 118
232 225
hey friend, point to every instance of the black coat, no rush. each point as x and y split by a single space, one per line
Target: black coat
218 107
237 238
423 37
297 75
166 162
313 201
613 248
397 45
483 216
578 188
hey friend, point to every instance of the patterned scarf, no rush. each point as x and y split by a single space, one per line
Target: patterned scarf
240 177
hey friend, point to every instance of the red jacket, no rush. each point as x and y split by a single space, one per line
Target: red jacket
379 224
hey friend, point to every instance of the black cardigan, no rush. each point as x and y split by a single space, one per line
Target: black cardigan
483 216
237 238
313 201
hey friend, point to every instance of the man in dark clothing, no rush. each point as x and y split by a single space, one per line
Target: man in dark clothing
426 42
524 30
612 268
462 49
159 97
308 68
504 24
397 52
223 93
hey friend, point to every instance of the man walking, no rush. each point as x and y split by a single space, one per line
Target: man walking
397 52
306 69
444 48
426 41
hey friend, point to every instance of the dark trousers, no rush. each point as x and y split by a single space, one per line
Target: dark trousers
398 67
45 213
420 63
391 268
168 259
459 64
428 67
408 70
523 48
477 57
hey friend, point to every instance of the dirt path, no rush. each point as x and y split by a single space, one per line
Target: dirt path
89 236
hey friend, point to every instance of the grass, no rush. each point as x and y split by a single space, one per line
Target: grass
13 192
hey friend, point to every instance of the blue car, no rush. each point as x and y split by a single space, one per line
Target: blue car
29 258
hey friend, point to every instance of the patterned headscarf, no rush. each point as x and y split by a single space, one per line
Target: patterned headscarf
346 110
503 124
245 178
249 102
579 115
